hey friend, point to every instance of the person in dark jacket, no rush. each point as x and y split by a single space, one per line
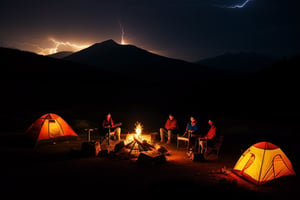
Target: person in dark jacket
170 128
192 131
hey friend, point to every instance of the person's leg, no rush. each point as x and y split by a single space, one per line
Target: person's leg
205 143
191 146
118 133
111 135
169 136
195 144
202 144
103 133
191 143
162 134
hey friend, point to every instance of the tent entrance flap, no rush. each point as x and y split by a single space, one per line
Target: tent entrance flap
55 129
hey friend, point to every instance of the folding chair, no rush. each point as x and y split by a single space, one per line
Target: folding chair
215 148
184 139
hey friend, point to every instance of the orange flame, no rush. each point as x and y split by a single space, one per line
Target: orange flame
138 129
137 135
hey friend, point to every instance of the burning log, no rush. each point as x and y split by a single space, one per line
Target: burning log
144 144
138 145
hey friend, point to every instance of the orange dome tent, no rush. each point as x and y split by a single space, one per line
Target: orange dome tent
263 162
49 127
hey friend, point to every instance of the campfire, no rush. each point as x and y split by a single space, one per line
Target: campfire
137 142
142 147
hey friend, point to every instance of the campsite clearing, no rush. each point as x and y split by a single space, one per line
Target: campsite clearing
56 169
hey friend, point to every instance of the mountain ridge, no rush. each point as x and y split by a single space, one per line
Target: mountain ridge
127 55
134 61
246 62
60 54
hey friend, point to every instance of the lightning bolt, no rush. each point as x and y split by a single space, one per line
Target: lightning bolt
239 5
122 34
42 50
58 44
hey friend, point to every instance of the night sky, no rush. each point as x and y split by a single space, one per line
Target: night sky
186 29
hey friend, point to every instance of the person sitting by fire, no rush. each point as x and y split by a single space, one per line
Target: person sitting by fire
170 128
192 132
109 128
209 138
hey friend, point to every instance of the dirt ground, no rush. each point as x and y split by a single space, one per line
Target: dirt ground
61 171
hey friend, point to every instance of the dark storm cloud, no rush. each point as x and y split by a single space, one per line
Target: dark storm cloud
187 29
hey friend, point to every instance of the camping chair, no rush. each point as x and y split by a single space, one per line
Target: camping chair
106 137
215 148
186 140
109 133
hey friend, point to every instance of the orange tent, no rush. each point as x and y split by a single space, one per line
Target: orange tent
263 162
49 127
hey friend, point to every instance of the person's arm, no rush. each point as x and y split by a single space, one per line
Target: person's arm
186 130
211 133
167 124
111 122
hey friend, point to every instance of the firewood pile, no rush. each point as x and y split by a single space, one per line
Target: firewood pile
142 151
140 146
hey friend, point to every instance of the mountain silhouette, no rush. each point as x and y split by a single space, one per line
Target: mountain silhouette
111 54
31 80
61 54
243 62
130 59
24 65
